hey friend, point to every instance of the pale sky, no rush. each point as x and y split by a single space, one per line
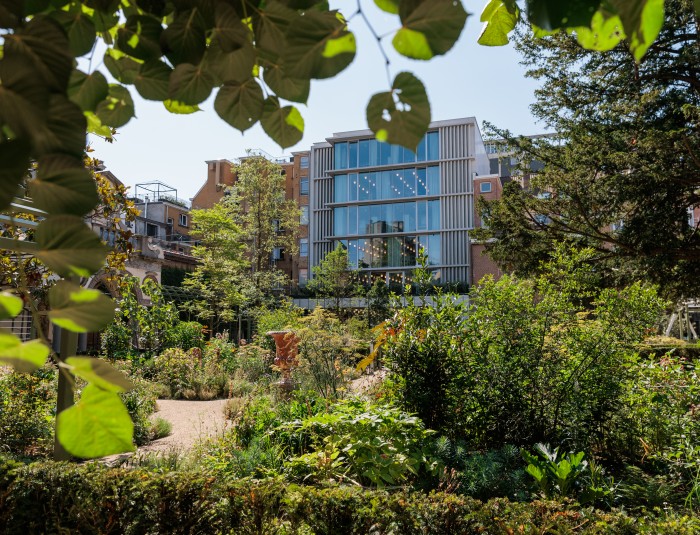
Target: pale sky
471 80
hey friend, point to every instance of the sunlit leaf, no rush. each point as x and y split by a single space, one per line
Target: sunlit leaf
439 21
190 84
152 80
400 116
96 426
87 90
180 108
604 34
69 247
63 186
23 357
642 21
122 67
185 37
140 37
390 6
118 108
499 18
10 305
555 14
284 125
99 373
78 309
95 126
240 105
14 156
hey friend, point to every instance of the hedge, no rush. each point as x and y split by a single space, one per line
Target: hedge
65 498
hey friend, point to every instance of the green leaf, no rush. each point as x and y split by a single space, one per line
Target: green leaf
118 108
79 27
286 86
402 115
390 6
122 67
190 84
180 108
69 247
87 90
284 125
64 130
140 37
441 23
499 18
10 305
152 80
318 45
229 33
11 13
642 21
270 27
95 126
15 158
63 186
555 14
240 105
23 357
43 43
236 66
24 97
96 426
79 309
604 34
185 38
99 373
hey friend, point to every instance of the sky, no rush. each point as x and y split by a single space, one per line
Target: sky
470 80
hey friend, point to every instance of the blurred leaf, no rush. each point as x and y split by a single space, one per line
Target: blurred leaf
140 37
284 125
642 21
64 130
402 115
190 84
23 357
118 108
240 105
63 186
390 6
78 309
555 14
499 18
99 373
14 155
79 27
604 34
96 426
439 21
152 80
24 97
10 305
87 90
69 247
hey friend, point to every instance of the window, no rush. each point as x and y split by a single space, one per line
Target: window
341 155
276 225
304 186
304 162
304 247
171 221
485 187
151 230
183 220
303 276
304 219
278 253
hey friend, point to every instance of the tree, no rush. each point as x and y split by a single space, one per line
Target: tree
333 279
624 169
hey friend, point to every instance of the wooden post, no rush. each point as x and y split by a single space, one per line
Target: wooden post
65 399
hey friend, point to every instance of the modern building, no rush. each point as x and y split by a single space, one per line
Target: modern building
384 203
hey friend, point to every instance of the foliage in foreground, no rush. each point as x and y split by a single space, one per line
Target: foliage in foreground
114 501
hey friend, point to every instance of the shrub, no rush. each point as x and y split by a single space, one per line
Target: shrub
190 375
186 335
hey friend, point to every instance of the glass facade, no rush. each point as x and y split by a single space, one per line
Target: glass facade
386 185
391 251
373 153
386 218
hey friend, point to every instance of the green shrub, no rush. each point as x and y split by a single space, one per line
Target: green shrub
190 375
115 340
141 403
186 335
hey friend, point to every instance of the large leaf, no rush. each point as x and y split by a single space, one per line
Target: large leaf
402 115
99 373
79 27
284 125
437 23
286 85
14 156
642 21
118 108
64 130
240 105
121 66
235 66
96 426
185 37
604 34
24 96
230 33
69 247
10 305
43 43
152 80
95 126
63 186
79 309
555 14
140 37
390 6
190 84
319 45
270 26
499 18
23 357
87 90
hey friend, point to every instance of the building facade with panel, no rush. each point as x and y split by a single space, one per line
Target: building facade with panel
383 203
